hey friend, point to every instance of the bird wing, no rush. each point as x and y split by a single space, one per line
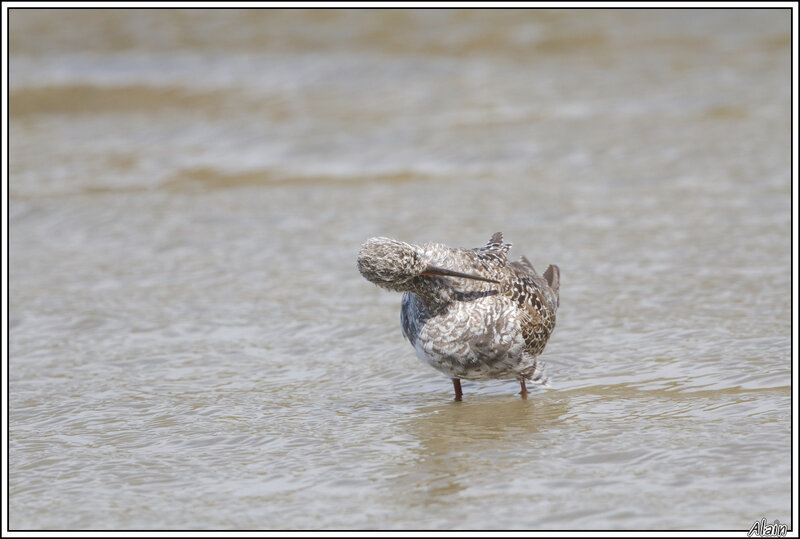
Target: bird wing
553 276
537 301
547 285
495 251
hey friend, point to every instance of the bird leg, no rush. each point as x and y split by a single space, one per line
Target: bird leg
457 387
524 389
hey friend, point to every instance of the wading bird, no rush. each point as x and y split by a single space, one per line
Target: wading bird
469 313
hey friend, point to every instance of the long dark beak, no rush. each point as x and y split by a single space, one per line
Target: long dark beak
435 270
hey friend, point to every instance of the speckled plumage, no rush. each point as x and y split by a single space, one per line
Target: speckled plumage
465 327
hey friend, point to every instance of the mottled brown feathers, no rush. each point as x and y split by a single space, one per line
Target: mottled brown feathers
468 328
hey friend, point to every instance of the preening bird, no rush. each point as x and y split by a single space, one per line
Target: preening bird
469 313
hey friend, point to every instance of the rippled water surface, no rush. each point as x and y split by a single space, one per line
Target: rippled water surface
191 345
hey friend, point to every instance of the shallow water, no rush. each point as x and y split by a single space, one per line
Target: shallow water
191 345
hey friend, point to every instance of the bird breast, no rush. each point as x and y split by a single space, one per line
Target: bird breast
484 329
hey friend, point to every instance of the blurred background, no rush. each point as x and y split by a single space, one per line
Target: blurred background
191 346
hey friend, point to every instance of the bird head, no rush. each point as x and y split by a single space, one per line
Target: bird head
393 264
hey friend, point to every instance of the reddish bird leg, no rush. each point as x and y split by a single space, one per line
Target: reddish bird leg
524 389
457 387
